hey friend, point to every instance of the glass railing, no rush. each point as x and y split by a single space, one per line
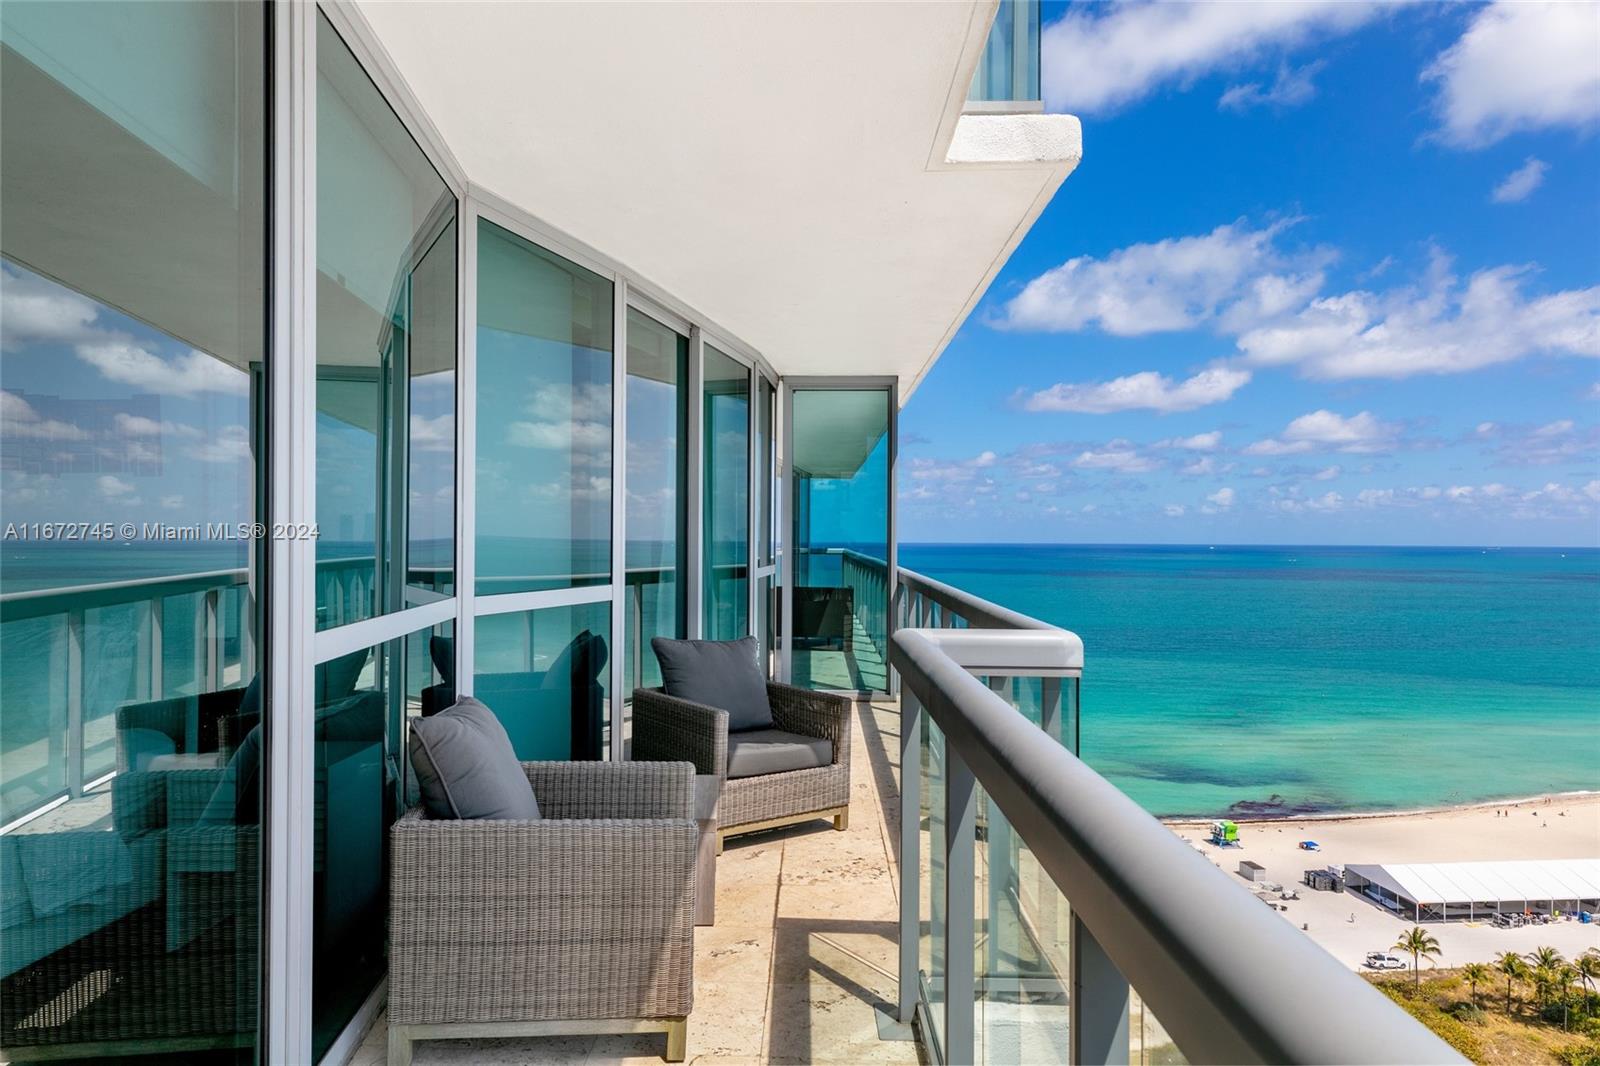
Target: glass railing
1008 72
1045 917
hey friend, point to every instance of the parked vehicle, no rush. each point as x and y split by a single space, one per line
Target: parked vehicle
1382 960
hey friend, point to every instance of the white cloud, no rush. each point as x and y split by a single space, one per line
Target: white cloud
186 374
1119 456
34 310
1519 66
18 419
1200 467
1520 183
1097 57
1147 390
1200 442
1441 328
139 426
1223 497
113 487
1328 501
581 436
1327 473
437 434
1233 272
1292 87
1175 510
230 445
1325 431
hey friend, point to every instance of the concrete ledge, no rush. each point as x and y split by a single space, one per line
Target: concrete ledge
1013 139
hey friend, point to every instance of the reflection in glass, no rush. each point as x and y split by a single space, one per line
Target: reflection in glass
726 444
543 673
362 701
544 418
132 388
386 344
657 416
839 512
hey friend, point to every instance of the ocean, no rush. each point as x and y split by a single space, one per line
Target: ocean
1260 680
1283 680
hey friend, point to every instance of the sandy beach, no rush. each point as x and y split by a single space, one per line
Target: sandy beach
1555 827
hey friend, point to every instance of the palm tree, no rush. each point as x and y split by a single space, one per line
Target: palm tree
1588 967
1417 942
1475 974
1546 961
1565 975
1511 965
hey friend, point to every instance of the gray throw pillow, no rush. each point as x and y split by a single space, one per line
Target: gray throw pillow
725 674
466 768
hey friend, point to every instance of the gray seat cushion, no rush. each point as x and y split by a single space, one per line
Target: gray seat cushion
725 674
466 767
756 752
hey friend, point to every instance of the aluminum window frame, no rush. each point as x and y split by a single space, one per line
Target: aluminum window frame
295 647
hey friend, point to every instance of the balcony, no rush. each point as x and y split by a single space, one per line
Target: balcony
825 946
1014 876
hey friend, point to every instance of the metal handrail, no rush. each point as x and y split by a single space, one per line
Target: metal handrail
977 613
1231 981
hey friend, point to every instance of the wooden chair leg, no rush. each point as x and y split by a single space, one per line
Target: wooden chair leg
677 1039
399 1046
720 838
841 821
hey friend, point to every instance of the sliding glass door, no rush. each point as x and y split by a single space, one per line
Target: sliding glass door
726 487
840 523
655 493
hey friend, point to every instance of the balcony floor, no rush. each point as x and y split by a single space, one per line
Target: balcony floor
800 966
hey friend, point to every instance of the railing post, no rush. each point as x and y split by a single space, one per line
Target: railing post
158 687
75 703
910 852
960 1001
1098 1031
211 669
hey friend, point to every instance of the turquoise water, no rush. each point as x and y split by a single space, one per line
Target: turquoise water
1299 679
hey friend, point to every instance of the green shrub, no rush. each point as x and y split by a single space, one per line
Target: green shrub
1446 1027
1586 1053
1470 1013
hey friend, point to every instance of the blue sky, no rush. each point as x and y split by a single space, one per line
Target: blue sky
1328 273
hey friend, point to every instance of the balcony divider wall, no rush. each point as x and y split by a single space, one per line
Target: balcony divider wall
391 427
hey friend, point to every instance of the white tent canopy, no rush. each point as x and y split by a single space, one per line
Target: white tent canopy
1512 882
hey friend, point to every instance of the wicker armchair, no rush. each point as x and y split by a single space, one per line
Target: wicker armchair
581 922
668 728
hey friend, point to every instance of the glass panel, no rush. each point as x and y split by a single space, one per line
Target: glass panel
726 446
132 388
543 674
362 701
766 472
658 413
932 927
1149 1043
544 418
1022 966
386 325
840 522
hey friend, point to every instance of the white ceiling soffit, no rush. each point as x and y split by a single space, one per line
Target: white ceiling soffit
799 173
